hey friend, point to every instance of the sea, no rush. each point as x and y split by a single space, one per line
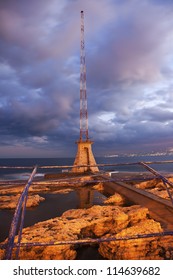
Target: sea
64 164
56 204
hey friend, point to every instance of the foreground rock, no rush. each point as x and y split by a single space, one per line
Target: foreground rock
97 222
10 201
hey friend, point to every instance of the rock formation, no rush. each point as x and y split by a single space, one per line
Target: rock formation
50 186
10 201
98 222
157 187
116 199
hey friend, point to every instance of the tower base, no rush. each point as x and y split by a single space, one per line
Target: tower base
85 157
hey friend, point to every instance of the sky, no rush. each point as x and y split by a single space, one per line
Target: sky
129 62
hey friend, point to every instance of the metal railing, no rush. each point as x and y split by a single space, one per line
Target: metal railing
18 219
85 165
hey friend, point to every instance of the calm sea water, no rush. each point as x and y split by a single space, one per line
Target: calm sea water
17 174
28 164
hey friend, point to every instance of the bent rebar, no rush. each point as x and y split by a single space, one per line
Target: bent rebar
15 221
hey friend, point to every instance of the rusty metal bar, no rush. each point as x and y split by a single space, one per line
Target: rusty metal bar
21 225
99 165
107 164
92 240
168 191
15 221
66 180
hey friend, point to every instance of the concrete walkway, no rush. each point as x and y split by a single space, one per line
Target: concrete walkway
160 208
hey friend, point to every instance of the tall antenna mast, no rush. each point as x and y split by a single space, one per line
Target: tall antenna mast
83 94
84 161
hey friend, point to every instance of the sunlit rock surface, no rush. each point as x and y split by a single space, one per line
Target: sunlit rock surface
157 187
10 201
49 186
142 248
116 199
98 187
98 222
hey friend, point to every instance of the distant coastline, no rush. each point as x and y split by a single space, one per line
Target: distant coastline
151 154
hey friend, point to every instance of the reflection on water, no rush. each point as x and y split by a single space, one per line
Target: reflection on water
85 197
53 206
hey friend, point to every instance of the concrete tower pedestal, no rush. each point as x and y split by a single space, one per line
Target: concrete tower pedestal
84 156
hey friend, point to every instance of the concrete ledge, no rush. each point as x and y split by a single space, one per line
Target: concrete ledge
160 208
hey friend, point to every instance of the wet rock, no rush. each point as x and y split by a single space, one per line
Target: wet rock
11 190
50 186
116 199
98 187
10 201
62 191
14 190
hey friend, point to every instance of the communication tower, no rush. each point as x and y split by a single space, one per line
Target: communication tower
84 160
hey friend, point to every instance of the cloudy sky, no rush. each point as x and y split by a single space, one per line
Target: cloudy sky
129 60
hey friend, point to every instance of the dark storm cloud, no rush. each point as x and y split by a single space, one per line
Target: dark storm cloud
133 49
162 2
155 114
129 72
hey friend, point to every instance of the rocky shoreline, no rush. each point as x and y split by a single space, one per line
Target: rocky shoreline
98 222
109 220
9 194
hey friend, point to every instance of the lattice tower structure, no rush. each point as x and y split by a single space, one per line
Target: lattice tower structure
84 160
83 94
